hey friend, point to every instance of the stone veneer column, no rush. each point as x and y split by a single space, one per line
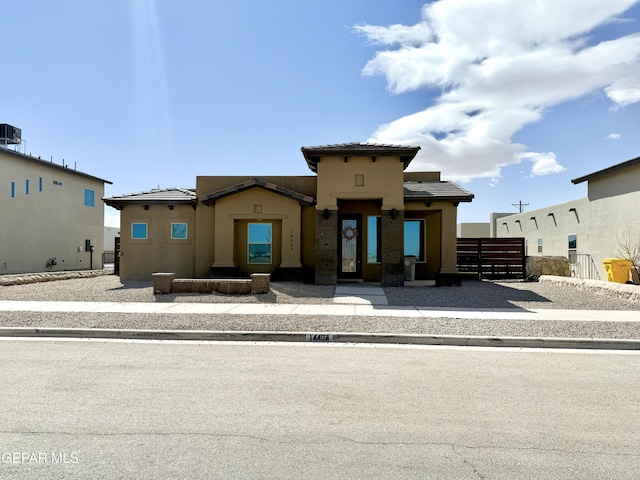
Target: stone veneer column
392 248
326 248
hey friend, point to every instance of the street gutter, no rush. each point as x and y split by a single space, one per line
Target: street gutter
322 337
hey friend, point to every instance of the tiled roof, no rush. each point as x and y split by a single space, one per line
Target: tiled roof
50 164
313 154
211 198
436 191
619 166
155 196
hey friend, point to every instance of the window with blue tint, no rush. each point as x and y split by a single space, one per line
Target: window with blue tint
40 184
13 189
374 252
89 197
414 239
139 231
259 242
26 187
178 231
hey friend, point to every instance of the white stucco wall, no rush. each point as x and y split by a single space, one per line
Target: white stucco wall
110 234
46 223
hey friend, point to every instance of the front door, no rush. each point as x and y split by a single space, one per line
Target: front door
350 246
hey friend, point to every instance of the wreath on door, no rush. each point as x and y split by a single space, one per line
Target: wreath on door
349 233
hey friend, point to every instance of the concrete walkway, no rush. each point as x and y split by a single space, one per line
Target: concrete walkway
359 295
336 310
367 309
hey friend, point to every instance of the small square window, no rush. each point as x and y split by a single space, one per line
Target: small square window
178 231
257 208
89 196
139 231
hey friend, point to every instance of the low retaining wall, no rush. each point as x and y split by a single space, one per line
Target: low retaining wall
548 265
612 289
164 283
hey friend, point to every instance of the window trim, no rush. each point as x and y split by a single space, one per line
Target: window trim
146 231
249 243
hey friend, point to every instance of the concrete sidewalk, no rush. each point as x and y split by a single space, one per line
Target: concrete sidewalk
320 310
275 311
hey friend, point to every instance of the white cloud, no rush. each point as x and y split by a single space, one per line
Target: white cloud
543 163
613 136
498 66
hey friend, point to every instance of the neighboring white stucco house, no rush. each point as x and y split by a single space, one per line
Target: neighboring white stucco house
587 230
48 212
473 230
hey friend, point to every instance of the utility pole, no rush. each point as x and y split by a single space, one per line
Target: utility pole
520 205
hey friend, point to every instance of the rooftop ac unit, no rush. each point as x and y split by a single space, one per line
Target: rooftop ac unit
10 135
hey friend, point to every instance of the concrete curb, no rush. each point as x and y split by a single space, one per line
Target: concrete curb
322 337
612 289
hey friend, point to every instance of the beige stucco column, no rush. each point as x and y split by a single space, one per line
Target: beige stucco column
449 252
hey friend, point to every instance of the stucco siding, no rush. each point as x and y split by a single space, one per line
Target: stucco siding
47 218
620 182
598 225
158 252
360 178
473 230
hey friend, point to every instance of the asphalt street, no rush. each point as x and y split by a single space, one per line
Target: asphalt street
107 409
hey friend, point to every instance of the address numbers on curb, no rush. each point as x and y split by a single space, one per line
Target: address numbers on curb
319 337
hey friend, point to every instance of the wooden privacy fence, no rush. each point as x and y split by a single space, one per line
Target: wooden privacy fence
492 258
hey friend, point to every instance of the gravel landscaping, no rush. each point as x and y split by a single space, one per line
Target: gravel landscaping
472 294
313 323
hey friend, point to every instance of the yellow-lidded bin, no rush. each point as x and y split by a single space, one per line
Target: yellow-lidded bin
617 269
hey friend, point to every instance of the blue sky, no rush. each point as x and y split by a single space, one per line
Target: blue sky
510 99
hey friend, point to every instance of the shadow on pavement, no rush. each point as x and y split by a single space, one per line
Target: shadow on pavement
472 294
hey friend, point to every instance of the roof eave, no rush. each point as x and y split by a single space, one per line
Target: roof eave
123 203
212 198
605 171
463 198
42 162
312 155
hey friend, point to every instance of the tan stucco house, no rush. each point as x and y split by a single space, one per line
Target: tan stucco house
49 214
355 218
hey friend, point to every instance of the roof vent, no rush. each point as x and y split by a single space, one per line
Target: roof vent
10 135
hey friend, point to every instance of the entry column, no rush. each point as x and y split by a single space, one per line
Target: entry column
392 248
326 247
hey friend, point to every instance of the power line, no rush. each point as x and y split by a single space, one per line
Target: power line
520 205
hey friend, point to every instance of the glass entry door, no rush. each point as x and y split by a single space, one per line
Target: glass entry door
350 246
